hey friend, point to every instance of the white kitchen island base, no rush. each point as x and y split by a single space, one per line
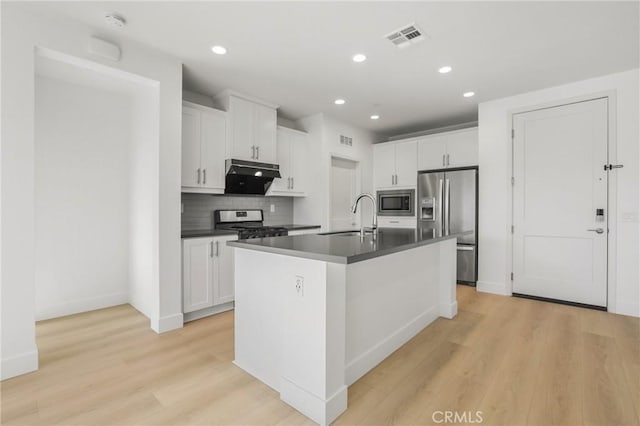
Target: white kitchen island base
309 328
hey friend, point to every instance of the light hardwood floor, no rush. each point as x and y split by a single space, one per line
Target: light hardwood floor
519 362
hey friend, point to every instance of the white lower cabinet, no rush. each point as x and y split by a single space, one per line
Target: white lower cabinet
207 272
397 222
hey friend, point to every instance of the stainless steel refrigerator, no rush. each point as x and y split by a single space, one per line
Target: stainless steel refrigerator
447 202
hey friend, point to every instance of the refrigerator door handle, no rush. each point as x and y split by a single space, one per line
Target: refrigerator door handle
447 196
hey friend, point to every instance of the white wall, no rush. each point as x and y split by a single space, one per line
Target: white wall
82 139
324 142
143 201
495 190
21 35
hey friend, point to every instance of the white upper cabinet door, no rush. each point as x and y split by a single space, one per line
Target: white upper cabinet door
406 163
384 165
265 123
242 129
283 159
213 132
298 162
224 290
198 274
462 148
190 146
432 152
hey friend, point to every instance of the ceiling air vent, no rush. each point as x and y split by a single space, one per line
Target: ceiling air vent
346 140
405 36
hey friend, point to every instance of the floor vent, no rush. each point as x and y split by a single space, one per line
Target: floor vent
405 36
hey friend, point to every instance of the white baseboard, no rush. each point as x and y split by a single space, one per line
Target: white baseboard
167 323
81 305
19 364
449 311
317 409
192 316
493 288
375 355
624 308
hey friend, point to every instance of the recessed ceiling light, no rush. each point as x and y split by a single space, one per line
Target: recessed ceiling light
115 20
468 94
359 58
218 50
375 117
445 69
339 101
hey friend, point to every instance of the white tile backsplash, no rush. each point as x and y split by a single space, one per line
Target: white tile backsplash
198 209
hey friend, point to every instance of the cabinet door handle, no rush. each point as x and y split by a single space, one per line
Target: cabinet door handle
288 183
257 152
217 248
448 160
443 162
293 183
204 176
392 180
198 176
211 246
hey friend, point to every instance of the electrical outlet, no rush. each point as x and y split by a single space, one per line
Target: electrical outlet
272 208
300 285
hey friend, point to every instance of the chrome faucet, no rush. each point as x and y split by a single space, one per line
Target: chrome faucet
374 225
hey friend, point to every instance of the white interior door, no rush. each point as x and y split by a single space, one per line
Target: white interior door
344 189
559 183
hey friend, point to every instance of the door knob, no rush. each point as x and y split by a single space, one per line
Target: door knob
597 230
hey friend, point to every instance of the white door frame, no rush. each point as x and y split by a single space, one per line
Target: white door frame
358 185
612 215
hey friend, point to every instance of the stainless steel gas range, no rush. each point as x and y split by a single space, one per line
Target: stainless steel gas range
248 224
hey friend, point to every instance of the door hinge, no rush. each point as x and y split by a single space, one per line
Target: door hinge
613 166
513 180
512 276
512 228
513 133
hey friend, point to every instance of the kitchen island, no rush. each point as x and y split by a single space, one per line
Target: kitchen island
314 313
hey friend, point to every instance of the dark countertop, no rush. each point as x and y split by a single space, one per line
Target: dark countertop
344 248
207 233
293 227
223 232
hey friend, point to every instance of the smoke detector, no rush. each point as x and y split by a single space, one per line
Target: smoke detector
115 20
405 36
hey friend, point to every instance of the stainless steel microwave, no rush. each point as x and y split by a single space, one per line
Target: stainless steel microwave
397 202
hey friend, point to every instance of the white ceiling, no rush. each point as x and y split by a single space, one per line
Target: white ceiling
298 54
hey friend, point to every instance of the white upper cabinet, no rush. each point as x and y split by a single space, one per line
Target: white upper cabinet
395 164
406 163
462 148
292 156
451 149
203 149
251 133
432 152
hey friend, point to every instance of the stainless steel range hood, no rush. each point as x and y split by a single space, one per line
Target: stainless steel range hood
249 177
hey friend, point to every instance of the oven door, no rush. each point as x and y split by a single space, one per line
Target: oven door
396 203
